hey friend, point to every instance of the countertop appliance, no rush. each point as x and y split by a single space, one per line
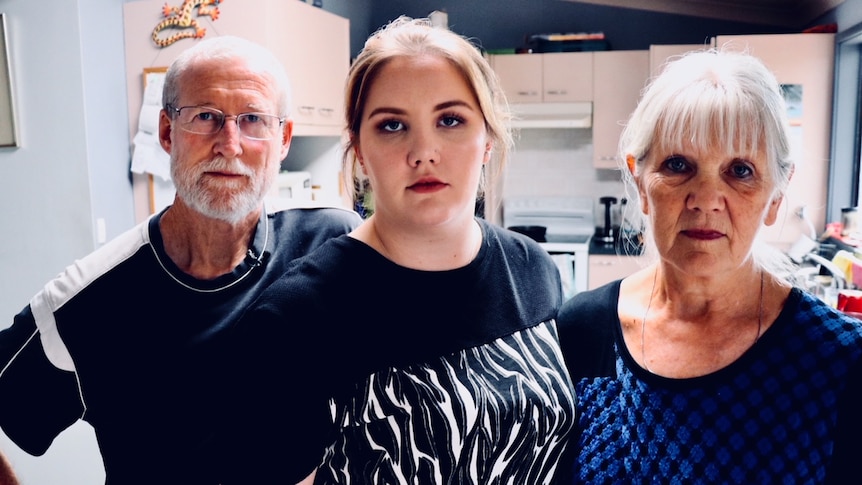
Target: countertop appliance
569 223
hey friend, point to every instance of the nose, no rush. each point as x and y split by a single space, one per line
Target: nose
228 138
706 194
423 148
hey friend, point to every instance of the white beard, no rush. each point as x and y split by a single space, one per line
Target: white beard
231 201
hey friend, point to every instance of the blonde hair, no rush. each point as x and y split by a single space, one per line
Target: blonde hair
408 37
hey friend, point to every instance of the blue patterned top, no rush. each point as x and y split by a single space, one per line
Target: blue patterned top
787 411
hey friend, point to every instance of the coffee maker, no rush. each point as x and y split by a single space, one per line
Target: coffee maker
607 235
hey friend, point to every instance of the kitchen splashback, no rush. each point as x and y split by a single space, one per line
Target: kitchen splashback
558 162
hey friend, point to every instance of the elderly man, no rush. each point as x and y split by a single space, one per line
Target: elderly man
136 338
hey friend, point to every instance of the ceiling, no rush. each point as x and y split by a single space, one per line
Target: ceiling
778 13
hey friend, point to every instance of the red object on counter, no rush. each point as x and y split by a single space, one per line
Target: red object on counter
850 302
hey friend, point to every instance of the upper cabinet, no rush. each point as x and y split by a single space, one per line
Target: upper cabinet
313 45
546 78
315 48
804 65
618 79
659 55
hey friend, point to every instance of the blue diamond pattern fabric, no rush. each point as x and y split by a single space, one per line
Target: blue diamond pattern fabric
773 416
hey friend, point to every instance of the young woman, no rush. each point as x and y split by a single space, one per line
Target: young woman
421 347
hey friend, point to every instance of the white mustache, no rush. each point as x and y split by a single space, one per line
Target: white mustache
222 164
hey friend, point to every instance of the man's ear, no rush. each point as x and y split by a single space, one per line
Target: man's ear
286 136
165 127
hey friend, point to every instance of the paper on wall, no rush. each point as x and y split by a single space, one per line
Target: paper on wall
149 156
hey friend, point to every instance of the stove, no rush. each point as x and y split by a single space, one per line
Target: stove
570 224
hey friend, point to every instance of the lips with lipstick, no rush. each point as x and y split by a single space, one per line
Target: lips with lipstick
703 234
427 184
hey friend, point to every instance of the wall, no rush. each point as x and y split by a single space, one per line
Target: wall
548 161
505 23
69 170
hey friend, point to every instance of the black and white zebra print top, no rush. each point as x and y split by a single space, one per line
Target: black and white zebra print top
394 375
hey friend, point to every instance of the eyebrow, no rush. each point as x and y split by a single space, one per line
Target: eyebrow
440 107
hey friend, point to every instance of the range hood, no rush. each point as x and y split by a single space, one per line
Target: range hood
552 115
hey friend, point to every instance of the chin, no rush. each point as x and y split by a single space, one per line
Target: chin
233 211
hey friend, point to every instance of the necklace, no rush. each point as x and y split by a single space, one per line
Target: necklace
649 304
256 260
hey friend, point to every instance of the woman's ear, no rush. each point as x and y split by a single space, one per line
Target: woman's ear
357 154
772 210
630 163
488 147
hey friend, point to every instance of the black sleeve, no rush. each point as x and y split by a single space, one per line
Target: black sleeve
282 424
586 325
37 400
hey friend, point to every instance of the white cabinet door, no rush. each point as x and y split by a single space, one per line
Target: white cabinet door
660 54
607 268
567 77
558 77
520 76
315 48
618 78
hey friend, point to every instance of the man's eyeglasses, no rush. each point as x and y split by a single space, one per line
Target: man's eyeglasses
202 120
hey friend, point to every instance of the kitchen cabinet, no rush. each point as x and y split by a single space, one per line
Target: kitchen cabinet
315 48
660 54
618 79
804 62
605 268
546 78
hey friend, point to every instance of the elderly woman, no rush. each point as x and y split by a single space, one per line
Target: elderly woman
708 366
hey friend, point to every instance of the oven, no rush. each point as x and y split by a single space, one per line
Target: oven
569 224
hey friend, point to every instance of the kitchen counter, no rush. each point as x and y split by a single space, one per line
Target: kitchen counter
599 247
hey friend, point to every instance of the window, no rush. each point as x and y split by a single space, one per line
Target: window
844 171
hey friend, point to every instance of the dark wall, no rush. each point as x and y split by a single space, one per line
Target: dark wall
501 24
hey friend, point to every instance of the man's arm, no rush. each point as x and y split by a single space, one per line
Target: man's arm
7 476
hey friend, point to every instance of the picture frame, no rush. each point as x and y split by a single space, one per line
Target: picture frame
8 127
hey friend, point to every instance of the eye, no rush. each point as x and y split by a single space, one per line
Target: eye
741 170
252 118
206 116
676 164
451 120
390 126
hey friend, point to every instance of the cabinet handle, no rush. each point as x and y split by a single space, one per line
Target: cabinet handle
326 111
527 93
557 92
306 110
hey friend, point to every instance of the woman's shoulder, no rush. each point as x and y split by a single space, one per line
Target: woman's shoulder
586 305
513 243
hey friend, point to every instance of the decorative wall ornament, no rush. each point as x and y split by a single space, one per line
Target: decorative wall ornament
183 18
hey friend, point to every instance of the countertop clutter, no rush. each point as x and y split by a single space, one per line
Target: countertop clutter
628 244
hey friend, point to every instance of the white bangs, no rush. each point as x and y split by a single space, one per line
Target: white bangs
706 119
708 101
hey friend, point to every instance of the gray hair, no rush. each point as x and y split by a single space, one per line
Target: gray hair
717 99
228 47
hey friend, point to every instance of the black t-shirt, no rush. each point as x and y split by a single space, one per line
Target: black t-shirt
408 376
129 343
